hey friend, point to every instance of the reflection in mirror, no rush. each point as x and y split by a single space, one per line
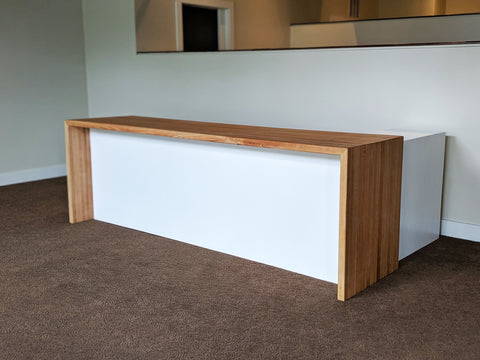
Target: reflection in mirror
200 28
210 25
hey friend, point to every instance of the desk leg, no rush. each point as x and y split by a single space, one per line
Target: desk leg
370 197
79 174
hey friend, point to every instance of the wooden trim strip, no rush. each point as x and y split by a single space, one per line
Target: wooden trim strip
79 171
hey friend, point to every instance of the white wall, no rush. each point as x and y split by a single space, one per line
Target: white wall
379 32
42 82
418 88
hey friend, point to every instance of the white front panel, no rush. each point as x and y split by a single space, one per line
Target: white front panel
276 207
422 182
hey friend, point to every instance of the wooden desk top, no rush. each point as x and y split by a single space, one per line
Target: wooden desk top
325 142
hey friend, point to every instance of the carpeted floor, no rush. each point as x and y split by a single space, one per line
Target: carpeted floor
98 291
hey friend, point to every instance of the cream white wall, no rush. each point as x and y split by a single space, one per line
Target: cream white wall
155 25
42 82
335 10
305 11
418 88
405 8
262 24
462 6
396 31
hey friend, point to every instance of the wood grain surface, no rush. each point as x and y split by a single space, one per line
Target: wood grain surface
325 142
79 174
371 177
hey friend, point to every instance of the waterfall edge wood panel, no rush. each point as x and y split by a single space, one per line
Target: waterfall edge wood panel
370 182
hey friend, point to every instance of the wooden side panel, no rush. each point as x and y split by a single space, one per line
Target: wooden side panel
79 174
369 215
390 205
342 237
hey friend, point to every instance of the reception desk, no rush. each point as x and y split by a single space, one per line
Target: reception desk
296 199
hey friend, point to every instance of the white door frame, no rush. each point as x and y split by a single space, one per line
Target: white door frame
225 21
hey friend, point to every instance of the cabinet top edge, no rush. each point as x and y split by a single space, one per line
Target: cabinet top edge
328 142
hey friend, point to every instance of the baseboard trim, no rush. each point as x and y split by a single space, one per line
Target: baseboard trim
460 230
449 228
47 172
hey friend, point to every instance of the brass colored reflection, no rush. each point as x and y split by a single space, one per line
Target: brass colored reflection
266 24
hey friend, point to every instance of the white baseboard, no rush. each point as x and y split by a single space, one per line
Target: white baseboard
460 230
449 228
47 172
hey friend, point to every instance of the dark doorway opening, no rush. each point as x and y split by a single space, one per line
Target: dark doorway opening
200 28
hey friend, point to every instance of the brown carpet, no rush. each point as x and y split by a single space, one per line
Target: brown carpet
98 291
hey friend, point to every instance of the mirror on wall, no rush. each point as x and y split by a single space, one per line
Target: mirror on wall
215 25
